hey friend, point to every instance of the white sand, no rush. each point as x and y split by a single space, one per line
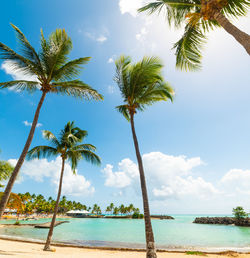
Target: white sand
20 249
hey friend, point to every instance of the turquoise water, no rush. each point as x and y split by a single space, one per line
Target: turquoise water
179 233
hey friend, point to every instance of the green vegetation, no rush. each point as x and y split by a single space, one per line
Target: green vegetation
68 147
141 85
137 215
54 73
122 209
195 253
5 171
17 223
239 213
199 18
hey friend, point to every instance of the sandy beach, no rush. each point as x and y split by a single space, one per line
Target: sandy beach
20 249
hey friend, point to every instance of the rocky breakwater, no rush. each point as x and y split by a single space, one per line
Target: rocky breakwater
161 217
223 221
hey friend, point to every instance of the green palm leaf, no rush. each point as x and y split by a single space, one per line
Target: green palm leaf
188 49
141 84
76 88
41 152
21 85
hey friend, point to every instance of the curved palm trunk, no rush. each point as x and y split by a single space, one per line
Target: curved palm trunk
47 244
21 159
242 37
150 243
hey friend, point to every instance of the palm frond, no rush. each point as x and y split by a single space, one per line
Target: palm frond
236 8
28 51
55 51
50 137
70 70
162 91
124 111
86 146
175 11
21 85
122 74
188 48
41 152
76 88
18 62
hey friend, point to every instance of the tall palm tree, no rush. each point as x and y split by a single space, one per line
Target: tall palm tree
54 74
68 148
202 16
141 84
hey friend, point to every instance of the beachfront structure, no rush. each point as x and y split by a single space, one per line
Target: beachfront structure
78 213
10 211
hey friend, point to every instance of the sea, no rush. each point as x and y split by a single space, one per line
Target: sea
178 234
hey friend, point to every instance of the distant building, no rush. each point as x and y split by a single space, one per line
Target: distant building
78 213
10 212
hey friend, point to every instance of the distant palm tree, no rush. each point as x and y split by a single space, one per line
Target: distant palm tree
202 16
67 147
54 73
141 85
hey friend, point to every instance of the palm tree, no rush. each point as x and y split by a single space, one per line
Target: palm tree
202 16
68 148
141 85
54 73
5 171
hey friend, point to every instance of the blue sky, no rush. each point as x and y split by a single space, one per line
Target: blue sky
196 150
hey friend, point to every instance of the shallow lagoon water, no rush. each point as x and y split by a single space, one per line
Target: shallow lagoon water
180 233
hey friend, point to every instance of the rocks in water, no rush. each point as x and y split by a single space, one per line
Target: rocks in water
161 217
223 221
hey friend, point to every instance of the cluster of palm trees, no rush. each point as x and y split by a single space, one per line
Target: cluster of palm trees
39 204
122 209
141 84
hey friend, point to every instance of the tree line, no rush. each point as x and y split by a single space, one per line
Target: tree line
32 203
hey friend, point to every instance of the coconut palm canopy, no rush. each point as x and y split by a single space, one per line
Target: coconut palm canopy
66 146
141 84
50 66
199 17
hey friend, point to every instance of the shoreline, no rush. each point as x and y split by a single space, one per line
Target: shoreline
204 250
24 250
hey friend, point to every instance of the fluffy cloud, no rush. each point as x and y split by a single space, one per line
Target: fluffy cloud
141 35
101 38
111 89
40 170
26 123
130 6
167 176
238 180
127 172
7 66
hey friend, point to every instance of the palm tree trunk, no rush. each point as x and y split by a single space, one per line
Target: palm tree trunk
47 245
242 37
21 159
150 243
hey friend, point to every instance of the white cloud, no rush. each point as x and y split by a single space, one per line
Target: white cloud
40 170
111 89
167 176
130 6
237 179
110 60
26 123
141 36
127 172
7 66
101 38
